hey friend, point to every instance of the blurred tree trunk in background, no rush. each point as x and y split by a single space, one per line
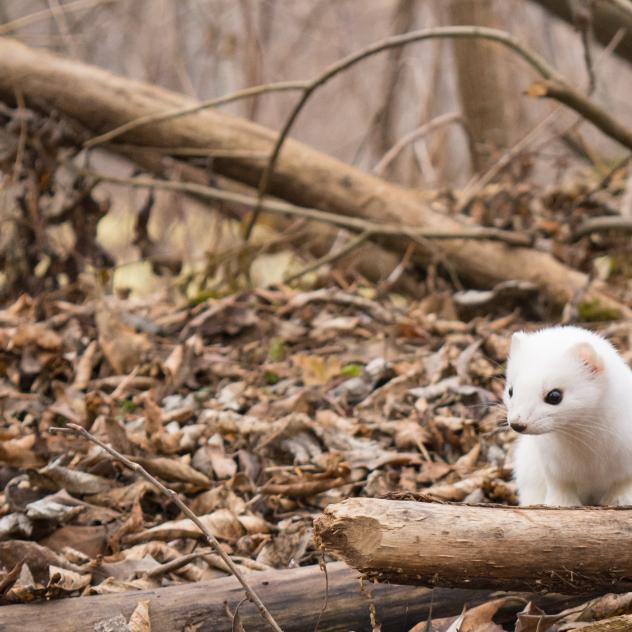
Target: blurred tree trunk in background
403 21
607 20
481 81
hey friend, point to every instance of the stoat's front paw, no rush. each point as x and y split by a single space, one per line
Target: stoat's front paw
562 497
620 495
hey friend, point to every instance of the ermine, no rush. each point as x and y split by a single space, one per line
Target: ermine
569 395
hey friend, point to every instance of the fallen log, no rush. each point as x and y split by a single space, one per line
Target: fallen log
101 101
294 597
507 548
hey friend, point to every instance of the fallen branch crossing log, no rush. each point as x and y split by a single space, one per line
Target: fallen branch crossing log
101 101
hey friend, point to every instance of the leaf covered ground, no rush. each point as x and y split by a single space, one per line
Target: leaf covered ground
258 407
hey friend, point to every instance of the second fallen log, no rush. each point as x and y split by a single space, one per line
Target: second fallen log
506 548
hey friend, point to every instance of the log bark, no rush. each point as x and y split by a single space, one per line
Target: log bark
101 101
294 597
507 548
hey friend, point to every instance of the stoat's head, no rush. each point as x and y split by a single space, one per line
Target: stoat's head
555 380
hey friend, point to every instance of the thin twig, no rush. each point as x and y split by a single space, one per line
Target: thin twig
38 16
59 15
531 57
246 93
355 224
477 183
175 498
331 257
600 118
200 152
603 224
411 137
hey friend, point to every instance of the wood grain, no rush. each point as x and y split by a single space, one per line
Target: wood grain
507 548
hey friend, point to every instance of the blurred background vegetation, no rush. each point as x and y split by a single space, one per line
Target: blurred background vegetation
209 48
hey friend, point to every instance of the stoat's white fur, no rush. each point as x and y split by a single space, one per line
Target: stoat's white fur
580 451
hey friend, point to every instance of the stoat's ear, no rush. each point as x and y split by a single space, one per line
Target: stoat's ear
516 340
589 358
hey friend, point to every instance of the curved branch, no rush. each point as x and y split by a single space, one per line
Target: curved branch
538 63
282 86
562 92
603 224
416 134
38 16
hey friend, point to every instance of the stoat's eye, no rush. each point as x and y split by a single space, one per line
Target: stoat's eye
554 397
510 391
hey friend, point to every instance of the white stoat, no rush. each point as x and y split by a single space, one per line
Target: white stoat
569 395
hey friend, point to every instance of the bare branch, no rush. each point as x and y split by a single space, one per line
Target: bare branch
38 16
537 62
603 224
351 223
331 257
174 497
562 92
282 86
416 134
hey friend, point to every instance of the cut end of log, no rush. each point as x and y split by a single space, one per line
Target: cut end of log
353 539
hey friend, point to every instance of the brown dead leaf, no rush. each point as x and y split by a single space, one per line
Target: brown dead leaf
83 369
222 317
211 459
459 490
133 524
73 481
37 334
317 370
37 557
63 580
172 470
19 452
479 619
223 524
123 497
532 619
409 433
121 345
91 540
140 620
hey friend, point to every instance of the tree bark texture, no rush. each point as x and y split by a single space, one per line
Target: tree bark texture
101 101
483 82
294 597
507 548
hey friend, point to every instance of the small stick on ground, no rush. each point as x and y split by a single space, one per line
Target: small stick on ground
173 496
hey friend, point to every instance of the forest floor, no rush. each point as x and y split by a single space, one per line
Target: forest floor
261 407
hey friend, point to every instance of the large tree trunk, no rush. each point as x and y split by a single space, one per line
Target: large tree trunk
483 82
607 21
294 597
507 548
101 101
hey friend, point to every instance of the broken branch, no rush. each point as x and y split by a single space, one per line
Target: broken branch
175 498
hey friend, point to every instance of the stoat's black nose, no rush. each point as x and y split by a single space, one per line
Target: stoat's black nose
518 426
